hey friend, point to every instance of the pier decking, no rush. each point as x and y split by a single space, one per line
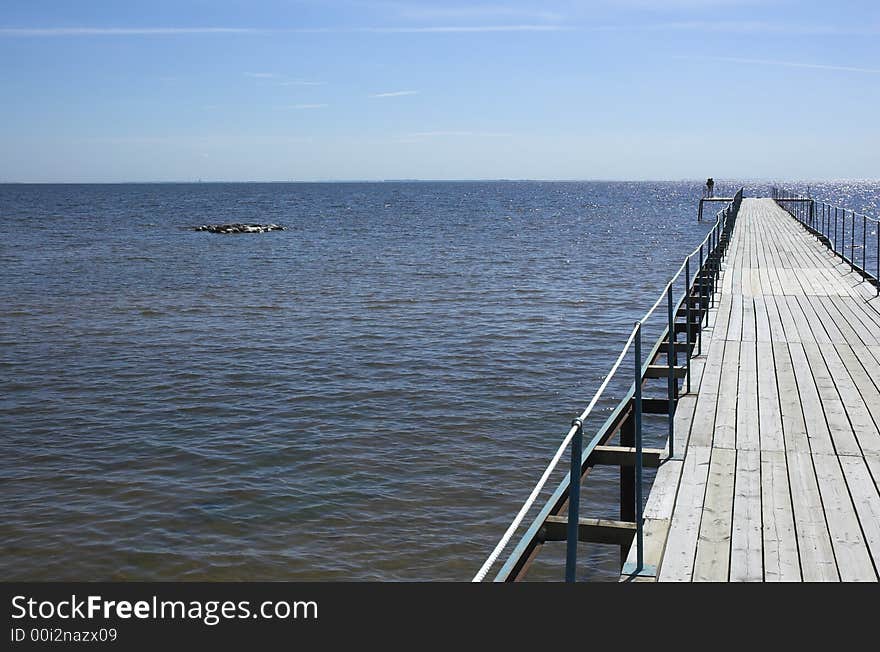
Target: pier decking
770 360
777 453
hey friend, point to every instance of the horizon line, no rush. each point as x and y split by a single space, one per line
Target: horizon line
443 180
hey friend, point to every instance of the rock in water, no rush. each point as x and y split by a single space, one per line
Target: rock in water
239 228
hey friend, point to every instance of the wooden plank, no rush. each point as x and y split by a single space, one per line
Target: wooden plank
735 325
755 289
842 435
860 397
749 326
864 365
850 550
814 541
777 330
873 462
655 532
590 530
801 321
747 427
725 417
681 545
813 321
722 318
818 432
684 412
781 561
827 319
746 552
790 286
794 427
625 456
868 310
762 320
866 500
661 500
662 371
703 425
856 318
792 334
841 321
875 351
712 562
654 405
769 412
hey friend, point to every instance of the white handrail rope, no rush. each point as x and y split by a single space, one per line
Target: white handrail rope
681 268
527 505
505 539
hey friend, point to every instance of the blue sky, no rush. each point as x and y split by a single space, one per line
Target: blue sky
363 89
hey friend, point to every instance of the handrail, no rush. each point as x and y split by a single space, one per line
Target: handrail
574 435
825 228
822 201
502 544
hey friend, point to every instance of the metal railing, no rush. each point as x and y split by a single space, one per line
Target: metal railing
845 231
698 290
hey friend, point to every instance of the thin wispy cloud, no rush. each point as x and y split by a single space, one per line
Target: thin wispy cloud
302 83
120 31
127 140
476 12
682 4
176 31
395 94
453 134
279 79
735 27
789 64
744 27
464 29
304 107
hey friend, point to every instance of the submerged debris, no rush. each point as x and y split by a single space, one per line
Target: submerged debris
239 228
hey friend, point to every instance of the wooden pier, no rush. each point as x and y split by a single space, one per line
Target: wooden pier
771 467
781 449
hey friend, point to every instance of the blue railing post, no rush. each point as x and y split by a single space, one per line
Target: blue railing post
687 303
716 263
852 241
671 362
701 291
637 416
704 289
835 229
574 501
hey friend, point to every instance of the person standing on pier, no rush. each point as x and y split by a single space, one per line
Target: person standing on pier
710 187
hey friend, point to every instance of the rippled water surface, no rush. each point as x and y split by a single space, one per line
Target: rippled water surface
370 394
